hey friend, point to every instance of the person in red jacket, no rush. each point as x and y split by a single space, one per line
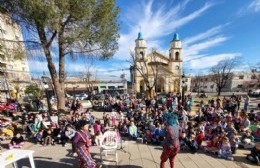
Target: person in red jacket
200 138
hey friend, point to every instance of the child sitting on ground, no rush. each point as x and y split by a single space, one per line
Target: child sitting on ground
247 141
255 154
213 145
148 136
225 149
234 141
192 143
39 136
48 138
16 142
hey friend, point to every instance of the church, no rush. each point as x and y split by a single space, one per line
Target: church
159 72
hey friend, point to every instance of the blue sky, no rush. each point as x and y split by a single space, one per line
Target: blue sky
210 30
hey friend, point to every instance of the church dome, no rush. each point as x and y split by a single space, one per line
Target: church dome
176 37
140 36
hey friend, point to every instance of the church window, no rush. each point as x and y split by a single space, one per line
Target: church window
177 67
241 77
177 55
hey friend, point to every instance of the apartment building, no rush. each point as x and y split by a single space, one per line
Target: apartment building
14 70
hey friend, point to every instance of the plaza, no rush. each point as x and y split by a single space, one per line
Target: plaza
139 79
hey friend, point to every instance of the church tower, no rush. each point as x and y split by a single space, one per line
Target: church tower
140 48
175 55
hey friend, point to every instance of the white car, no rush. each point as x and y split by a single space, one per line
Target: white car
82 96
86 104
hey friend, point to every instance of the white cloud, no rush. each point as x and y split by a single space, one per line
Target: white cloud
194 49
211 60
202 36
155 24
254 6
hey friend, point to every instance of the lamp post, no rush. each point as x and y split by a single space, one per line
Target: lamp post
45 81
183 89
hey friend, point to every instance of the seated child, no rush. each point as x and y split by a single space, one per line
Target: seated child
39 136
16 142
157 134
225 149
255 154
234 141
48 138
257 134
192 143
247 140
213 145
6 132
68 135
183 141
209 134
133 131
200 138
147 136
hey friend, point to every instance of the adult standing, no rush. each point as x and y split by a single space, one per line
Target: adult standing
246 103
82 142
171 145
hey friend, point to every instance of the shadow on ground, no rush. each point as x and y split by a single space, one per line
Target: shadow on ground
42 162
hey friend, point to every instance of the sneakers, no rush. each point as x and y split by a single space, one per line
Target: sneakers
74 154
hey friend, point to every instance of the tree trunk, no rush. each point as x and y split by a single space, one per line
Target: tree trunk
219 91
149 93
61 94
58 86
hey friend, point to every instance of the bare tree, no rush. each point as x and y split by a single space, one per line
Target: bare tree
222 73
148 69
197 84
88 66
256 74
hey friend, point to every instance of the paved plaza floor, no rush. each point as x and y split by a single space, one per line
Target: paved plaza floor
133 155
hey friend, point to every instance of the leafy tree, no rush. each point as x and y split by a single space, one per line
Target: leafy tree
74 27
222 73
33 90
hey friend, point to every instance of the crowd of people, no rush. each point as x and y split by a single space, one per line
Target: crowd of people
220 126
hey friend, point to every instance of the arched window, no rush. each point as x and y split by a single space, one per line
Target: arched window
177 56
141 55
177 67
170 56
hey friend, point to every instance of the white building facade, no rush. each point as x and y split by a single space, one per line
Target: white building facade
15 70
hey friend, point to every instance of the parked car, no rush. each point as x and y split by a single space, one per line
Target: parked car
81 96
99 96
86 104
255 93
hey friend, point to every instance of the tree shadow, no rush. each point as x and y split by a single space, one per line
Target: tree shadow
243 160
48 163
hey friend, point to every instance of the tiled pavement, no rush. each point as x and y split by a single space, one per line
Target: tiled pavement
133 155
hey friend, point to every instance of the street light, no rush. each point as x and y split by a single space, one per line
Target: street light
183 88
45 81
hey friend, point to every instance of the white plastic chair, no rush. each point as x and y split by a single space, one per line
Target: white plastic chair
108 143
